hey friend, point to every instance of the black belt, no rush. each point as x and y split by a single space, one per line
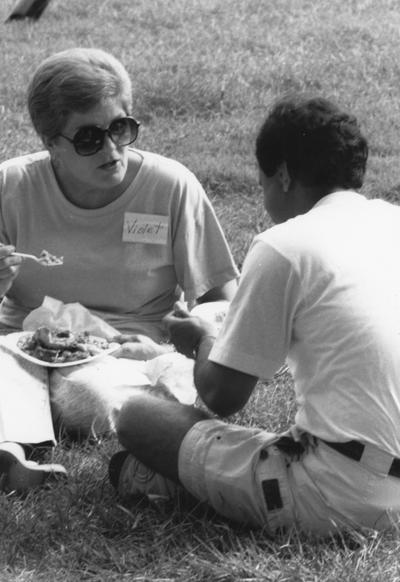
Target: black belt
354 450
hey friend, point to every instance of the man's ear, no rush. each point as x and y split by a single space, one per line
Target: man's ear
47 142
284 176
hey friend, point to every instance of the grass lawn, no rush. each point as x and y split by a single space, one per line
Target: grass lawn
203 72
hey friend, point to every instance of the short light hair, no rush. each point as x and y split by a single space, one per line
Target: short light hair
74 81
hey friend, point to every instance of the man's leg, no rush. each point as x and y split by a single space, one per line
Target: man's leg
172 447
152 430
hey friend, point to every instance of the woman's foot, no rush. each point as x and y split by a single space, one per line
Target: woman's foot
18 474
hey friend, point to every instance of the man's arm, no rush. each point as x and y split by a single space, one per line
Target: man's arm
222 389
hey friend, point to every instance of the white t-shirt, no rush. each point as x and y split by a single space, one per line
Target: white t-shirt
127 261
323 291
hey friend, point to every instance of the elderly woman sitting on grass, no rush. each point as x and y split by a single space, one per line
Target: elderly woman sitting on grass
135 230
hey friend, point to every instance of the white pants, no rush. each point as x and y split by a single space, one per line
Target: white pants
25 415
84 399
87 399
245 477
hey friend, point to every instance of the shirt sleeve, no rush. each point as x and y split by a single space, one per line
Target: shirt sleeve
257 332
202 256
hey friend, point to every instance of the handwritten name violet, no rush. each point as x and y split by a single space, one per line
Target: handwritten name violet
145 228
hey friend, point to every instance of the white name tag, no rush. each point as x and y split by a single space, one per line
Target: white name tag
145 228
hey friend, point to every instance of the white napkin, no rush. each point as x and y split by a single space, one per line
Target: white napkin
212 311
73 316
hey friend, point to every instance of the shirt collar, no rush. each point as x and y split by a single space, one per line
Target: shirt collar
346 195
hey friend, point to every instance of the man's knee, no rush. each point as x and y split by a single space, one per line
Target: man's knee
145 419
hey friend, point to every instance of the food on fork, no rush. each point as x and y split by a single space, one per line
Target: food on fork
45 258
62 345
48 259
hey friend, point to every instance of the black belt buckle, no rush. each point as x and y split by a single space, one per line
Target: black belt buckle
289 446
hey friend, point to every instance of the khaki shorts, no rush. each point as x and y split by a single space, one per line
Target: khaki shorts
245 477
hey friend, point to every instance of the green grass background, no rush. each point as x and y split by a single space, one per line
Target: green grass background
204 73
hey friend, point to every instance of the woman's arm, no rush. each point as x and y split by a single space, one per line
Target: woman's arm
222 292
9 268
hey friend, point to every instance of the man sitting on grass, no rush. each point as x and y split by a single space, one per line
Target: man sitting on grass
320 289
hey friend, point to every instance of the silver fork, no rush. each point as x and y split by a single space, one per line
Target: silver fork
42 260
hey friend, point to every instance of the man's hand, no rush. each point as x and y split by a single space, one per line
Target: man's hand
186 331
139 347
223 390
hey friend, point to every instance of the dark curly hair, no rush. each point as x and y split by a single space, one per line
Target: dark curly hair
322 145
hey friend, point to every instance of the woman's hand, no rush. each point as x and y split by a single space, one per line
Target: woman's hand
139 347
9 268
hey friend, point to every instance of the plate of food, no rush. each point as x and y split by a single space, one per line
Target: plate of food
58 348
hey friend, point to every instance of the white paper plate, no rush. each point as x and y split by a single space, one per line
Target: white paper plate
12 340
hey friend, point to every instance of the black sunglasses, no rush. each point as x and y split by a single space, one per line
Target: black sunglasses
90 139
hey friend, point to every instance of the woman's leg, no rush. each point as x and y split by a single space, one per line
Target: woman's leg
25 415
25 419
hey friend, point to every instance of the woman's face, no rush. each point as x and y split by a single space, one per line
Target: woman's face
91 181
